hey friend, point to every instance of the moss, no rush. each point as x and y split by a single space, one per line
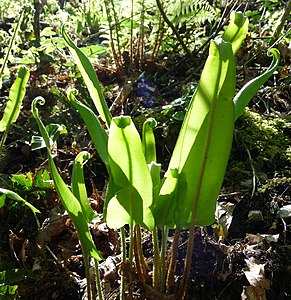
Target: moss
266 137
275 183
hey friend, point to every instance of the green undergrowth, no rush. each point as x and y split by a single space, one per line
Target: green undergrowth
276 182
261 146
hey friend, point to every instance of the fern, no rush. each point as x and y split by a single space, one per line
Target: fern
136 27
128 26
197 11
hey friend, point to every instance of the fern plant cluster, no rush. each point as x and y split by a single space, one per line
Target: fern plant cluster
139 28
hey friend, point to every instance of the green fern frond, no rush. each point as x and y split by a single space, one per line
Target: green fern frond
197 11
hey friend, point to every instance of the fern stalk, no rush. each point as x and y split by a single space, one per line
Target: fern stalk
139 257
188 262
163 272
175 31
98 282
10 47
158 39
131 31
116 53
141 36
156 274
173 261
123 244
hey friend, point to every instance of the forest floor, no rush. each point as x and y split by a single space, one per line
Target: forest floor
251 259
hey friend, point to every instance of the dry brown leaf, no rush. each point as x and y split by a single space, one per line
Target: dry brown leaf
55 225
253 239
255 273
253 293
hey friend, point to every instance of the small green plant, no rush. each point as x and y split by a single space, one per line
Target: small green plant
186 196
9 279
35 183
176 110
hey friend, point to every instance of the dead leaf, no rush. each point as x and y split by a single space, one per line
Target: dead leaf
253 239
255 274
55 225
23 251
285 211
270 238
253 293
111 268
223 215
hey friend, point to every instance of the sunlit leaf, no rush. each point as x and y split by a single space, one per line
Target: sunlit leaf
78 184
93 50
16 95
90 78
148 140
25 180
42 179
131 175
54 130
2 200
204 143
236 31
165 204
37 142
155 171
